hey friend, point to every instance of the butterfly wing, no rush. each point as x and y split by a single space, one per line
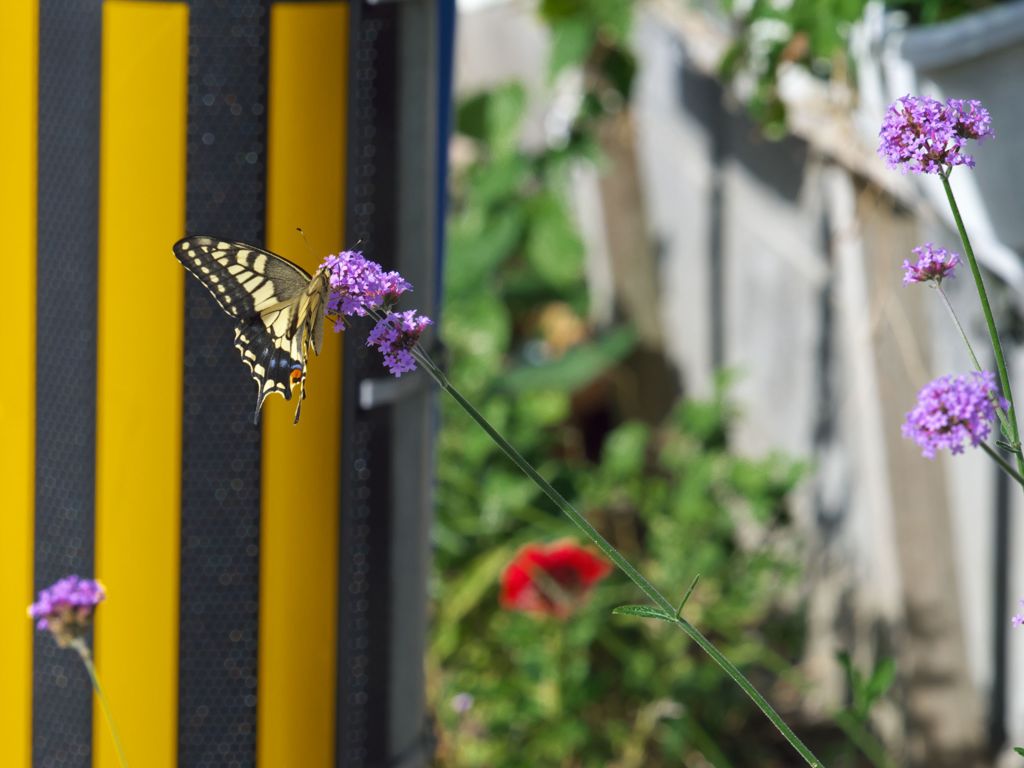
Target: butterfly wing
266 294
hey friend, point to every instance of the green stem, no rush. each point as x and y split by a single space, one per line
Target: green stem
686 597
960 328
83 652
1004 378
1004 422
621 562
1003 463
863 739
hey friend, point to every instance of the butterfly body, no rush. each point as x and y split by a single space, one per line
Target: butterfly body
278 308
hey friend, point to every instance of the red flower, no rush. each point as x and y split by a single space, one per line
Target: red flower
552 579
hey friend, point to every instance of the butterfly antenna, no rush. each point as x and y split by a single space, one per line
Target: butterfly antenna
303 235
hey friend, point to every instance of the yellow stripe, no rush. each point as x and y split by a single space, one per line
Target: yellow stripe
299 536
141 315
18 72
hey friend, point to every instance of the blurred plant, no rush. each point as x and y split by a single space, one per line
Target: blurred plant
522 350
65 610
865 691
772 34
674 500
769 35
548 581
507 689
592 35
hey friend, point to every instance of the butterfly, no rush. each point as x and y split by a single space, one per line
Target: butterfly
277 305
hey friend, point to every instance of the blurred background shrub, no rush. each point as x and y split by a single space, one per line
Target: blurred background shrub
510 689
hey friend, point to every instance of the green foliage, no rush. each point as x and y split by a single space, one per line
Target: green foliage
575 369
553 248
576 25
594 690
494 118
643 611
866 691
808 33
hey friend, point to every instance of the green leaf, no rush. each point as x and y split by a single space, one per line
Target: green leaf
624 453
732 61
479 577
579 366
557 10
498 182
881 680
504 495
471 116
504 114
1019 751
477 247
644 612
493 117
479 326
553 247
614 18
545 408
571 41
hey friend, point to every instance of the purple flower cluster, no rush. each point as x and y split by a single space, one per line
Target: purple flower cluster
362 287
933 264
952 410
972 120
395 335
924 135
359 285
1018 618
65 608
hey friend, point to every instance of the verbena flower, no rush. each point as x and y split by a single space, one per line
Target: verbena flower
360 287
462 702
393 285
65 608
356 284
1018 618
551 580
395 335
933 264
951 411
924 135
972 120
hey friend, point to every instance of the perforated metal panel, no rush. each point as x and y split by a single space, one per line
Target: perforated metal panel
366 480
69 97
220 445
393 206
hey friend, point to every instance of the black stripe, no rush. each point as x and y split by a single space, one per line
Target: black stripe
364 617
220 446
68 209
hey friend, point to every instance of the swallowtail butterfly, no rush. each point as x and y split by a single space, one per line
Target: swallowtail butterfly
278 308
